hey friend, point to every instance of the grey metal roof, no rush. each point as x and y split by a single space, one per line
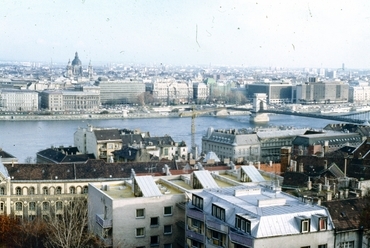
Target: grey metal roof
280 133
253 173
278 215
148 186
205 179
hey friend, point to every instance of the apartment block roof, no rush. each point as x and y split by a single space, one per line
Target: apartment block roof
107 134
332 137
271 212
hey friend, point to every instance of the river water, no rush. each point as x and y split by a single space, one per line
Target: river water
24 139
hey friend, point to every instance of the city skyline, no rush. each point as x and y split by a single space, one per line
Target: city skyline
235 33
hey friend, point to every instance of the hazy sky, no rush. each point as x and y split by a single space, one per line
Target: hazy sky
295 33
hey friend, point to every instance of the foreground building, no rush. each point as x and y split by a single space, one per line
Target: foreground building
255 216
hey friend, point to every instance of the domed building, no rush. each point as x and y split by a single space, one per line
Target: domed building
74 69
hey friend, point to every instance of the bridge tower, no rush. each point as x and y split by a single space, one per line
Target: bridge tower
259 104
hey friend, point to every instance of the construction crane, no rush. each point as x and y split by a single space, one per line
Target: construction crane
193 114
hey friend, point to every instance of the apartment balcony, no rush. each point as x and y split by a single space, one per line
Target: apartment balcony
105 223
194 235
196 214
217 226
241 238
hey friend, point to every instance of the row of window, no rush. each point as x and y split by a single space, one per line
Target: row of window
167 211
45 206
140 231
45 190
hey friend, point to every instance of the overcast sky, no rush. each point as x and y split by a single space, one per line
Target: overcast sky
295 33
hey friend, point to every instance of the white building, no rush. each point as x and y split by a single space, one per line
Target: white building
138 212
236 145
255 216
18 100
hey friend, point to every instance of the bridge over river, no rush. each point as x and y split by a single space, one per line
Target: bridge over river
360 117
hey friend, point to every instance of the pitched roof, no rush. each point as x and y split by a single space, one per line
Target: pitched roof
92 169
346 213
107 134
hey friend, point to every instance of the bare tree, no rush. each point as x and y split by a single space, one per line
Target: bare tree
68 228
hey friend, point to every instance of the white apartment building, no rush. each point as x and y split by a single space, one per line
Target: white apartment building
255 216
360 93
18 100
102 142
138 212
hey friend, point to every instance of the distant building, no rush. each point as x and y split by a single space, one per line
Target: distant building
18 100
171 91
235 145
321 143
120 91
200 92
277 92
314 92
62 155
84 98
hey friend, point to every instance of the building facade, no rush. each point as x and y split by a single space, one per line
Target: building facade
18 100
314 92
255 216
120 91
236 145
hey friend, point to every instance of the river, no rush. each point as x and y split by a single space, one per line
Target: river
24 139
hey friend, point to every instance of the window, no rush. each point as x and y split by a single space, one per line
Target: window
167 229
140 232
32 206
167 246
59 205
2 191
32 191
323 246
31 217
72 190
140 213
154 221
167 210
154 240
45 206
18 191
322 224
242 224
58 190
18 206
85 190
218 212
348 244
197 201
217 238
45 191
1 206
305 226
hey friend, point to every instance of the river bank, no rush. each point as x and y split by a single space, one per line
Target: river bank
110 116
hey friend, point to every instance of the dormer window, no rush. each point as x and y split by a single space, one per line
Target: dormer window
304 223
322 224
197 201
242 224
218 212
305 226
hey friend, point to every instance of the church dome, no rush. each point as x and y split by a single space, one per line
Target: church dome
76 60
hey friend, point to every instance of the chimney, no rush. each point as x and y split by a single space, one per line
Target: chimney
301 167
325 164
309 184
